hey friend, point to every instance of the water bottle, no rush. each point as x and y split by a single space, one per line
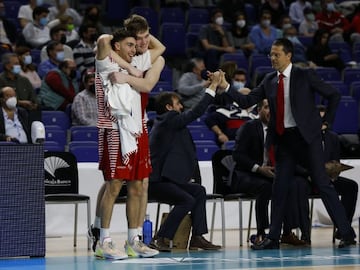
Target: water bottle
147 230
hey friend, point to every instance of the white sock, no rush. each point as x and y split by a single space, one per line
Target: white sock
104 233
97 222
140 232
133 235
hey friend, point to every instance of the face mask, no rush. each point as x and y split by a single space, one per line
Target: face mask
16 69
60 56
238 85
70 27
310 17
63 39
219 20
44 21
92 88
286 26
39 2
294 39
72 74
27 59
11 102
266 23
240 23
330 7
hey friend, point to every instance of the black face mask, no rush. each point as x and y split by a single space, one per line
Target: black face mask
72 74
93 17
63 39
92 88
94 37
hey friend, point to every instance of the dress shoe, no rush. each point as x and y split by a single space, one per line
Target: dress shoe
346 243
292 239
337 235
160 245
199 242
267 243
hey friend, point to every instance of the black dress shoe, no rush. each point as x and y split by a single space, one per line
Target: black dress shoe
346 243
267 243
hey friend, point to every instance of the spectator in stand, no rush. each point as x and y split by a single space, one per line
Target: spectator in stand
56 54
10 77
84 107
308 26
37 33
240 34
84 54
62 8
7 31
214 40
59 87
230 8
57 33
285 23
331 20
354 27
276 9
92 16
28 69
263 34
321 54
25 14
296 10
72 36
192 85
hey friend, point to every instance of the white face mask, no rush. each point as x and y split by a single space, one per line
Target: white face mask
11 102
266 23
238 85
219 20
241 23
27 59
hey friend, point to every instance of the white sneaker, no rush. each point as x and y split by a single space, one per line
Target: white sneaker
139 249
108 251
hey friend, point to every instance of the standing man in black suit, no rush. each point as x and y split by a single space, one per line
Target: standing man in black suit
174 161
295 131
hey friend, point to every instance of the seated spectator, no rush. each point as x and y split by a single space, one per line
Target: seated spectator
276 9
59 87
62 8
56 54
296 10
332 21
173 159
92 16
37 32
308 26
214 40
263 34
57 33
240 34
285 23
84 106
230 8
8 31
192 85
25 93
225 116
84 54
72 35
25 14
14 121
321 54
28 69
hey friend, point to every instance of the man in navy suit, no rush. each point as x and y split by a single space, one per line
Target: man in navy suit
174 161
296 136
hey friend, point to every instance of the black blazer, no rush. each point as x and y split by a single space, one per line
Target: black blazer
304 84
24 120
172 150
249 146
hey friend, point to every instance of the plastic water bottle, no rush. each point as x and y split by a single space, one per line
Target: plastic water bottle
147 230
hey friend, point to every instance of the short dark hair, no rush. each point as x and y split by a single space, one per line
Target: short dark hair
84 28
192 63
163 99
39 10
120 34
288 47
51 46
56 29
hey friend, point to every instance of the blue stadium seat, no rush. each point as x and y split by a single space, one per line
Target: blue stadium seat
35 55
250 13
328 73
260 72
53 146
172 15
12 8
161 86
229 145
151 16
198 16
173 36
56 118
239 58
343 49
355 91
351 75
205 152
306 41
347 116
201 133
258 60
85 151
194 27
166 74
341 86
57 135
84 133
191 40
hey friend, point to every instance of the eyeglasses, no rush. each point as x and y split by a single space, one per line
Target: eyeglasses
274 55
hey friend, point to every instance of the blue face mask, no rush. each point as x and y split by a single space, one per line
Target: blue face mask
238 85
330 7
39 2
27 59
60 56
16 69
44 21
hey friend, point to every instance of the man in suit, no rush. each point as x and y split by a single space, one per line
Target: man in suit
14 121
295 131
174 161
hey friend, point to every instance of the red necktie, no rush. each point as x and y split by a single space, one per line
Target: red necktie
280 106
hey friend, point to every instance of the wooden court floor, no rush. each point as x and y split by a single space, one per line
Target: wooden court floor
60 255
